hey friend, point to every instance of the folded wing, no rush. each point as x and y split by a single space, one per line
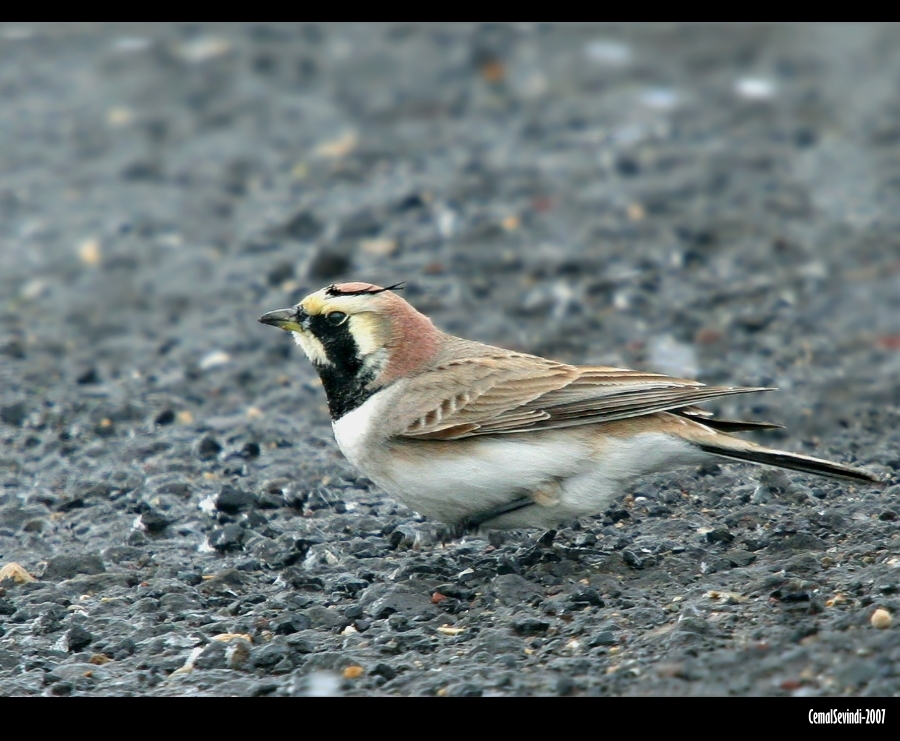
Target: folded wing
514 393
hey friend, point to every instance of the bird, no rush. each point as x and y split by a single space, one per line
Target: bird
479 437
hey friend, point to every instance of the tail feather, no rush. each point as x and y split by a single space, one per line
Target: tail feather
707 418
746 451
731 425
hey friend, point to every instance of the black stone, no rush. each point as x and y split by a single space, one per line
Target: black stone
191 578
178 602
208 448
165 417
789 595
228 538
65 567
585 596
78 638
255 520
399 623
384 670
352 613
154 521
291 623
328 263
280 273
303 227
530 626
603 638
233 500
50 620
121 649
89 376
739 558
633 559
510 589
269 655
299 578
61 689
546 539
213 656
327 618
14 414
618 514
300 644
627 166
381 602
350 585
250 450
719 535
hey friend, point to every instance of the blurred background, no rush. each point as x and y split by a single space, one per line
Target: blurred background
716 201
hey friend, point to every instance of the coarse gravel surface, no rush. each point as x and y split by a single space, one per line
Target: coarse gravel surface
714 201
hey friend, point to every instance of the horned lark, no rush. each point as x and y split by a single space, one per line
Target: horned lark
476 435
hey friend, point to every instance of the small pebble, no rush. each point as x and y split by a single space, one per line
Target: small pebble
754 88
608 52
89 251
378 247
17 573
353 672
203 49
214 359
449 630
881 619
338 147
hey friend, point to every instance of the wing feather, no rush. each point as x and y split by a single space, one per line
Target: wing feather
513 393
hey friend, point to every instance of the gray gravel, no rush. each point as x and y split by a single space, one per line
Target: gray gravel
720 201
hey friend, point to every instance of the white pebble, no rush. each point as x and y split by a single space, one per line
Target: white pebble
605 51
446 223
203 49
754 88
214 359
323 684
33 289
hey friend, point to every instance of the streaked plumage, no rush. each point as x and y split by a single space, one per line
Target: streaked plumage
473 434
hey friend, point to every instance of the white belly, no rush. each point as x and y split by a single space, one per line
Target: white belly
464 478
452 480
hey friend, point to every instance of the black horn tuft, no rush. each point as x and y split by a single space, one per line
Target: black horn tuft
333 290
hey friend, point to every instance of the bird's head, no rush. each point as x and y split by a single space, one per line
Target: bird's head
359 335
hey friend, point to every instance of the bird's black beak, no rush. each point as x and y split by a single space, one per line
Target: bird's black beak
290 320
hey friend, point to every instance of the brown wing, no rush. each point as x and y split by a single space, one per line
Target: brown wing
522 393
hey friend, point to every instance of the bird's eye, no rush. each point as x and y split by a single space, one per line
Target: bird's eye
336 318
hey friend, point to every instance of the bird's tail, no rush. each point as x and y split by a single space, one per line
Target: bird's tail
744 450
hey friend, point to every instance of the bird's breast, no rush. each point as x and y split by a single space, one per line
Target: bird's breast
360 433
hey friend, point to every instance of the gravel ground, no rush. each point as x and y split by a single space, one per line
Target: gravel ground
714 201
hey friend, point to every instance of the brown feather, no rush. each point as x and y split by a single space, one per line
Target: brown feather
513 393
